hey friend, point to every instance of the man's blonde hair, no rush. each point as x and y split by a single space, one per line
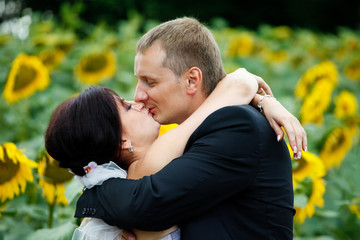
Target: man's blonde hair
187 43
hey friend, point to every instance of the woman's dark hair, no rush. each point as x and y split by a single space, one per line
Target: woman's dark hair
85 128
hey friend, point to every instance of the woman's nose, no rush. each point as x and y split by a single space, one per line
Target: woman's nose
138 106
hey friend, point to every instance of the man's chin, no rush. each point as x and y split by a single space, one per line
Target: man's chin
159 120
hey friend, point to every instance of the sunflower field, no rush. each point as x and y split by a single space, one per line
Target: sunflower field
316 76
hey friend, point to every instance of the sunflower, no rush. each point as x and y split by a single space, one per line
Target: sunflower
27 75
15 171
282 32
52 179
312 191
336 146
355 206
241 45
308 184
96 67
345 105
351 40
165 128
5 38
51 58
316 103
44 39
309 165
353 124
325 70
63 41
275 56
2 208
352 70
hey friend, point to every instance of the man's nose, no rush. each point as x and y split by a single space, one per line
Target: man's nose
140 94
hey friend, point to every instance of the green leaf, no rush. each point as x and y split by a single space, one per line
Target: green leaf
300 200
62 232
72 190
327 213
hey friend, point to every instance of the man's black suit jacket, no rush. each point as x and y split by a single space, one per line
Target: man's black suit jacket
234 181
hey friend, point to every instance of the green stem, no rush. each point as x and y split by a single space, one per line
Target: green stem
24 128
51 214
51 211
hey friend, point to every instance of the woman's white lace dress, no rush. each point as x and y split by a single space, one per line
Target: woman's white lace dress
93 228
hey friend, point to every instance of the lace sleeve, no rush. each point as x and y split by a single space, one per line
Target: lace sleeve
94 229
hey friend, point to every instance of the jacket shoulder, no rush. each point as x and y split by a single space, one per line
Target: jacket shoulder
240 118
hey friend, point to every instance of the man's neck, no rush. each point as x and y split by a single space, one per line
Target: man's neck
194 104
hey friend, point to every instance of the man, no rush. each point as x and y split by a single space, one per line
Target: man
234 179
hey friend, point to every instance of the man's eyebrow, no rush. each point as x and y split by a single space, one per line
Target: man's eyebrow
147 76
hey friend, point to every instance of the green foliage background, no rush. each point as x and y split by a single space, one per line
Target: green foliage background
24 123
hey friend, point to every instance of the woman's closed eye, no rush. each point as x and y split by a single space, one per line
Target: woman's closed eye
128 106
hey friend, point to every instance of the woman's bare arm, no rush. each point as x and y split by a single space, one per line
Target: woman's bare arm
236 88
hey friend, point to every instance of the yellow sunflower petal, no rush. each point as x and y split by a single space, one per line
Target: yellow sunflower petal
325 70
355 206
13 184
165 128
1 154
51 58
48 190
15 172
316 103
60 193
345 105
309 165
96 67
336 146
9 190
352 70
315 199
27 75
53 179
240 44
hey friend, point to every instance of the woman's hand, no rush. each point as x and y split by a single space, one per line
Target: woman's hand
279 117
242 73
240 84
127 235
264 88
276 114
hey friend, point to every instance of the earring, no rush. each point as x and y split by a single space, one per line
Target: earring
131 149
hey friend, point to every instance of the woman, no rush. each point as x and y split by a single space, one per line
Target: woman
94 132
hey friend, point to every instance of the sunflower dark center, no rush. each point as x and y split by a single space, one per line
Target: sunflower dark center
338 143
305 187
300 164
55 174
24 77
49 59
95 63
346 107
8 169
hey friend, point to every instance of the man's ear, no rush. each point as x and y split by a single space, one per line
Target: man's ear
193 80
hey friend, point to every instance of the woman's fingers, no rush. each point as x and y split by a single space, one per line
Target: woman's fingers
126 235
263 86
296 135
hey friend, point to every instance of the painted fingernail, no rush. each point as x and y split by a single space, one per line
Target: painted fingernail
278 138
305 149
295 149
